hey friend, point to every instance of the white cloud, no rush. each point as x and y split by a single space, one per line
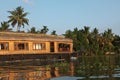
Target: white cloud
27 1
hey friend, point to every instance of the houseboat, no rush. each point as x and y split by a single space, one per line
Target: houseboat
17 45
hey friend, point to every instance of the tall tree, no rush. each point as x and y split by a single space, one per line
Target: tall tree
94 41
95 31
116 43
86 30
108 36
86 33
18 17
68 34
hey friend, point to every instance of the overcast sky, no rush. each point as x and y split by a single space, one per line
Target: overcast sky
61 15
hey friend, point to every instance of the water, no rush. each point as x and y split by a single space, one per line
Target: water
102 67
68 78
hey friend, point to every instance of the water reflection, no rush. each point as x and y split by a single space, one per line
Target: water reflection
26 73
100 67
85 68
25 70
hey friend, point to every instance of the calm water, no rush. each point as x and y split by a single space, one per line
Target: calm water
102 67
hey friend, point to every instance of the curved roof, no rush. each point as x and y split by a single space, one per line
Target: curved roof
31 36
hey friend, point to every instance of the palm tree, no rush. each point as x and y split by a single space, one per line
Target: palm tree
33 30
116 43
68 34
95 31
4 26
53 32
95 34
94 41
18 17
44 30
108 36
86 33
86 30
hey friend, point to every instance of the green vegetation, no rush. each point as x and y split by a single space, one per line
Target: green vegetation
93 43
4 26
63 67
97 65
53 32
44 30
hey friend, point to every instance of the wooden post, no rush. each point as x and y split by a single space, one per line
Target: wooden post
56 47
71 69
47 47
71 47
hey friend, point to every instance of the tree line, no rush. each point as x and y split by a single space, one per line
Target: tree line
93 42
84 40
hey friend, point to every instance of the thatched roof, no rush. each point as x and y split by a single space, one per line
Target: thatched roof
30 36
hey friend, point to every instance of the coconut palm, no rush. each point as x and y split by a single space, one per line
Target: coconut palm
86 30
18 17
4 26
53 32
44 30
68 34
108 36
95 31
33 30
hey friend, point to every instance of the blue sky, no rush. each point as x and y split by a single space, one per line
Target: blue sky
61 15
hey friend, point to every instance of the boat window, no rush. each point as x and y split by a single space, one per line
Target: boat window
20 46
39 46
4 46
62 47
52 47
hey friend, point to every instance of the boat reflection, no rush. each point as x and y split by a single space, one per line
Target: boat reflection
25 73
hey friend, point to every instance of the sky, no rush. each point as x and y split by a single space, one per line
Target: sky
62 15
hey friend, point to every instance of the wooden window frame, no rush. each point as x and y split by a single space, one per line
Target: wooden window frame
25 44
65 48
6 48
39 46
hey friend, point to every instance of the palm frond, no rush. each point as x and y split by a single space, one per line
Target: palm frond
17 17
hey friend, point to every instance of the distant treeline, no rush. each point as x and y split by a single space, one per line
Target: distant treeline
93 42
